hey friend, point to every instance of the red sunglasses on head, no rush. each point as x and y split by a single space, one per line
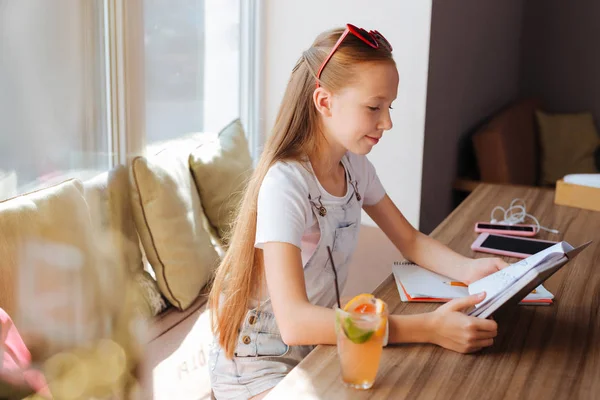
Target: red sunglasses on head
371 38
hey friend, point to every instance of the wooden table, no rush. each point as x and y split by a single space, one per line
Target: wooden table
541 352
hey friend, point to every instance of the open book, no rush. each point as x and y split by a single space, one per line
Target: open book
513 283
417 284
519 282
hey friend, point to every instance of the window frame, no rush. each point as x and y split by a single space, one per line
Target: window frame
124 43
252 77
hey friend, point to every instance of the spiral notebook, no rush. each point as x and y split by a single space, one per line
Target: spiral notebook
417 284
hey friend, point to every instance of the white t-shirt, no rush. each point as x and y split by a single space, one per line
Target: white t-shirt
284 211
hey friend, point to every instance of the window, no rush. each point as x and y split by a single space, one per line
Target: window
52 97
191 66
87 84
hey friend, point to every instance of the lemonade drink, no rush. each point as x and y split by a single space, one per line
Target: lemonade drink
361 329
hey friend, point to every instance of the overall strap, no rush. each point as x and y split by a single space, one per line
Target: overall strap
314 194
351 176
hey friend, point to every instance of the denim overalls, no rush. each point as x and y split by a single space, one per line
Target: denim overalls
261 358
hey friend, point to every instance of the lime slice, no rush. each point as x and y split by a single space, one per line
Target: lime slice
354 333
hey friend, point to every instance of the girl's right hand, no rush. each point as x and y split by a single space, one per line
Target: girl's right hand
454 330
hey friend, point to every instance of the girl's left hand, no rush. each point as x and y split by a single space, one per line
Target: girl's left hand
482 267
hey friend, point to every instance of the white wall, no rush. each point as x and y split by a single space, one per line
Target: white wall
291 26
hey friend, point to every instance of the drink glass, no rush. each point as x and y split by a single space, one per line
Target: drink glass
360 339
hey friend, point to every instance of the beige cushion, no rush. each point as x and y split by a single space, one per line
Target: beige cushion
182 145
567 142
55 216
221 169
115 237
108 198
153 303
168 216
73 297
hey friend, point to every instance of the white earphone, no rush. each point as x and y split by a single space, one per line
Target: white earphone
516 214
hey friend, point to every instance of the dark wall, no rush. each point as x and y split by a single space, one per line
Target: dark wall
473 71
560 57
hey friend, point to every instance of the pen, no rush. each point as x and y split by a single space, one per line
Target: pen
454 283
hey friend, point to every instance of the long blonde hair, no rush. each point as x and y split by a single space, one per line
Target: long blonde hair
240 275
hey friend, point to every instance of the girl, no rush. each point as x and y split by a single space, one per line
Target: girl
273 293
